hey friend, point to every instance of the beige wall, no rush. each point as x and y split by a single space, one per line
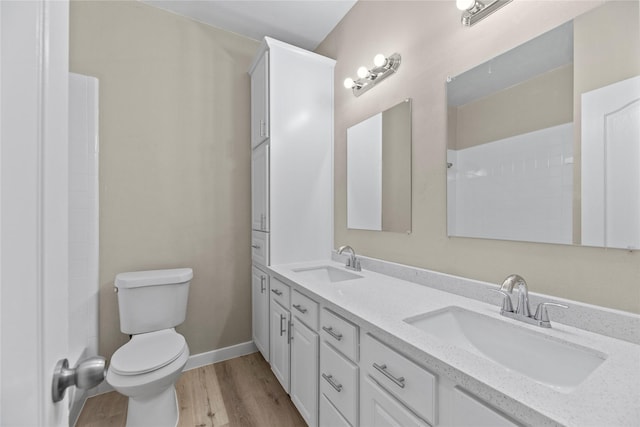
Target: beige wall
174 160
541 102
434 45
396 168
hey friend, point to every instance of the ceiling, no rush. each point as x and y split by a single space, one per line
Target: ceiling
303 23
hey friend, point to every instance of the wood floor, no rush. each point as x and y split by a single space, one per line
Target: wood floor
238 392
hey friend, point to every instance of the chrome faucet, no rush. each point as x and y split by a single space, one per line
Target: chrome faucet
523 293
353 263
523 311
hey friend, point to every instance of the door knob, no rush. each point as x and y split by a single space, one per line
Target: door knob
88 373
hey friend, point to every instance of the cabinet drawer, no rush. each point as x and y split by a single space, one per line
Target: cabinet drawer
280 292
329 415
340 333
404 379
305 309
339 382
260 247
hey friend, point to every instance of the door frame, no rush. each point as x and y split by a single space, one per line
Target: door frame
34 58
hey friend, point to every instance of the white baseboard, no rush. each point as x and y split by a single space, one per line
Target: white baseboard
219 355
197 361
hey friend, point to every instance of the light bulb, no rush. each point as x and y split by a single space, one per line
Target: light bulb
465 4
379 60
348 83
363 72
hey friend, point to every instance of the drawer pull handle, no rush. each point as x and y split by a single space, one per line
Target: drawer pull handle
277 292
255 246
300 308
333 384
329 330
282 329
383 370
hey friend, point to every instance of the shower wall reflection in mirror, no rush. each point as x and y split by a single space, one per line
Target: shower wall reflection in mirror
379 171
544 140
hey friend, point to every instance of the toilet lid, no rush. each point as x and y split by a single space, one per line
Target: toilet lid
148 352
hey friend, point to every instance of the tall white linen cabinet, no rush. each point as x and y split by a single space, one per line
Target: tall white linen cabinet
291 203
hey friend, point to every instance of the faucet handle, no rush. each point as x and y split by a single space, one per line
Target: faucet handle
541 312
506 300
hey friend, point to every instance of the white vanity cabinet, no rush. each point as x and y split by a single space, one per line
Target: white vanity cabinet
260 310
292 151
292 203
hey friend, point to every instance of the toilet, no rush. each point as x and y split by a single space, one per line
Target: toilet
145 369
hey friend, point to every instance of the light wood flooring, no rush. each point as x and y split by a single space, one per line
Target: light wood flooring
238 392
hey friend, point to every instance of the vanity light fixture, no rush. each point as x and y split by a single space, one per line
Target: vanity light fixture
368 78
476 10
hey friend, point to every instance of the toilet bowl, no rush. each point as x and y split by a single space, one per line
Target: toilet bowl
147 367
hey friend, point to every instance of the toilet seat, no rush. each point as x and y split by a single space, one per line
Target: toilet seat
148 352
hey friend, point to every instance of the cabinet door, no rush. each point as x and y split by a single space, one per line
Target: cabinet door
260 101
471 411
304 371
279 343
260 310
260 188
378 408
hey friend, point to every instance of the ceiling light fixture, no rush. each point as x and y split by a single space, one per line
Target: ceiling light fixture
368 78
475 10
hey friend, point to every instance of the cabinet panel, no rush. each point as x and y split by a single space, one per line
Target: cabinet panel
279 343
378 408
339 382
340 333
304 371
260 101
260 310
260 248
305 309
469 411
329 415
260 188
280 292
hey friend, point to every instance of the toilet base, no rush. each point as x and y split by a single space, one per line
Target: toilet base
160 410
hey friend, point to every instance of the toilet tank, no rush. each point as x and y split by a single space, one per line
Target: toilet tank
152 300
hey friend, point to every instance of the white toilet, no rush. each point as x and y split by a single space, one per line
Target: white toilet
151 304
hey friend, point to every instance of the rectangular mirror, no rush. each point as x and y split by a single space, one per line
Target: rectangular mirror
379 171
543 141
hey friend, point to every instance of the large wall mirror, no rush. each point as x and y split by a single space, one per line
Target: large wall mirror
543 141
379 171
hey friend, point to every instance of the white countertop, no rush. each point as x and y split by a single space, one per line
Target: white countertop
610 396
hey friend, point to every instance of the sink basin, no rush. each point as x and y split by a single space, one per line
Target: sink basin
326 274
547 360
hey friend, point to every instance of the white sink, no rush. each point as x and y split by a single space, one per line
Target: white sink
326 274
545 359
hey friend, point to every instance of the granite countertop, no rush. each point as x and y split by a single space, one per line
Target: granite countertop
610 396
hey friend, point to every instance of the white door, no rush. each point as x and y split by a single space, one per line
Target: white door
33 209
279 343
304 371
260 101
260 188
260 310
610 158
